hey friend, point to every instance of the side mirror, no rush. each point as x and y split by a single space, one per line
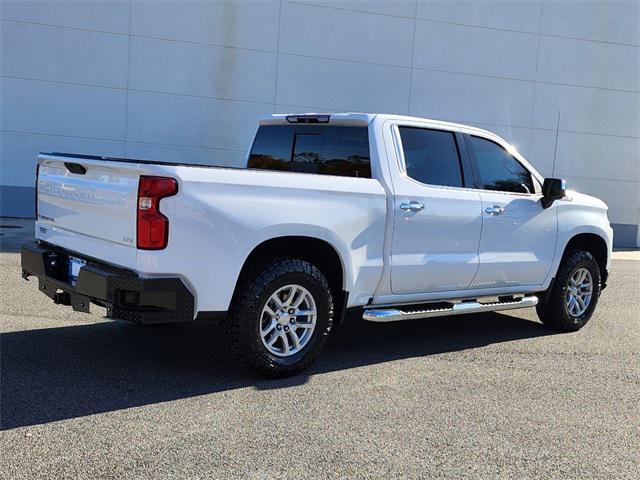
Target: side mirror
552 189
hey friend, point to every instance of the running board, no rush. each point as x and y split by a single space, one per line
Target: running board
395 314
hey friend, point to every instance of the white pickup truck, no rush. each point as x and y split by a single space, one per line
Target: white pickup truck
389 216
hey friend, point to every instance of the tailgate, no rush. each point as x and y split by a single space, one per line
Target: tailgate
87 199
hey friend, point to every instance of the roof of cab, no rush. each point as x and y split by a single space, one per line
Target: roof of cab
365 119
361 119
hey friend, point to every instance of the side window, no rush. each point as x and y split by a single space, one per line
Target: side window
431 156
498 170
325 150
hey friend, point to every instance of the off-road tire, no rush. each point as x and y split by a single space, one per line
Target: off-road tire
553 313
242 325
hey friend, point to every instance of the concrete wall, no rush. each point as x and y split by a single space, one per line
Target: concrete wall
186 80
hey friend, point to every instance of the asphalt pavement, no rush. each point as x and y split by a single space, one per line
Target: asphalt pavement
485 396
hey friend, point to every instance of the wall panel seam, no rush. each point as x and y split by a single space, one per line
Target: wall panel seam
551 35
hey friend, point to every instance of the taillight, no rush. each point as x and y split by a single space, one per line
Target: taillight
153 226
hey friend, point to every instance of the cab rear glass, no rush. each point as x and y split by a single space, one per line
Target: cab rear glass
323 150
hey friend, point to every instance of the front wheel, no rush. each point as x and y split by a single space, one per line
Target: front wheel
574 295
281 316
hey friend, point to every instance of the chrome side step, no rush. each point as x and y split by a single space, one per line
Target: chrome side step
395 314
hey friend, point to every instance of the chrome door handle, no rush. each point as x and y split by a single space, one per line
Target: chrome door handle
413 206
495 210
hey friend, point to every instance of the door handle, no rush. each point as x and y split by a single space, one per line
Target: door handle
412 206
495 210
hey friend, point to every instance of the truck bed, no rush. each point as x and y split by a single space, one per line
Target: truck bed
216 218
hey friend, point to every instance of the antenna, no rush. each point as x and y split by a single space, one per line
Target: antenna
555 148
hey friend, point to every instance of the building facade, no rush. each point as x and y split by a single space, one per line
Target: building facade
186 80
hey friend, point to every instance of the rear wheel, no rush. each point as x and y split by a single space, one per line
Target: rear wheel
574 295
281 316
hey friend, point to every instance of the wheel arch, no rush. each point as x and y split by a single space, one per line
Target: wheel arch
593 243
316 251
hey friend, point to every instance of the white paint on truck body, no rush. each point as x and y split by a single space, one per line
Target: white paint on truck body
451 249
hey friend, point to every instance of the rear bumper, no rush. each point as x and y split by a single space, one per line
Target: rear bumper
124 293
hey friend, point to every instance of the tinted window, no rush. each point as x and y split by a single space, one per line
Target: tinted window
431 156
327 150
498 170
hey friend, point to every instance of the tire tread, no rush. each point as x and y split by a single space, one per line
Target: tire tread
254 281
553 312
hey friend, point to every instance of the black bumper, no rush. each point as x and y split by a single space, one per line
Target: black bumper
125 295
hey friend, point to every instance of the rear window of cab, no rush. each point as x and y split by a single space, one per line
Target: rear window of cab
323 150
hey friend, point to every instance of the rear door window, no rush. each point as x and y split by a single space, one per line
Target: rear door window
324 150
431 156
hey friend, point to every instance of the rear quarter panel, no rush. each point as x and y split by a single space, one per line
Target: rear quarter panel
220 215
